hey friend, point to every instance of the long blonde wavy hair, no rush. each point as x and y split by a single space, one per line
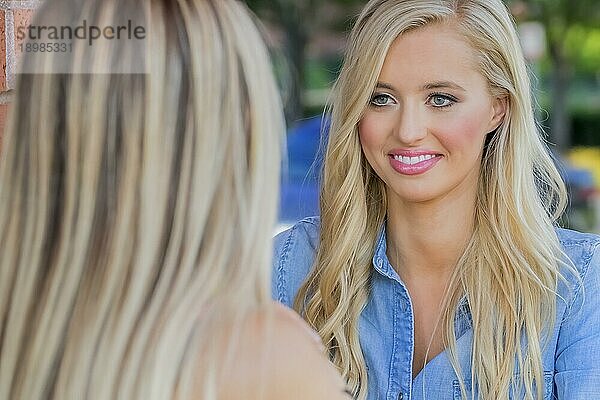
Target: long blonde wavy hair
136 210
509 270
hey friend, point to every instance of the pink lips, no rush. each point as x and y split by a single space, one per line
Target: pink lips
413 162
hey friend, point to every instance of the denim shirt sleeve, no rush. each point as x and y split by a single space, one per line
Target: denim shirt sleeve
577 357
294 254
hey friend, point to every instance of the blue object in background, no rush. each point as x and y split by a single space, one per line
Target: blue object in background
580 184
299 195
581 213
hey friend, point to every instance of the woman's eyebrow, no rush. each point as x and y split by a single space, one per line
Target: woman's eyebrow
427 86
383 85
442 85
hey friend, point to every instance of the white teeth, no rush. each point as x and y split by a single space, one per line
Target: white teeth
413 160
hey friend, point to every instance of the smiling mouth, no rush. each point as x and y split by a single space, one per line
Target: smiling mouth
414 159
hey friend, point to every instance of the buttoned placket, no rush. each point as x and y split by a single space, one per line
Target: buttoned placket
400 384
403 368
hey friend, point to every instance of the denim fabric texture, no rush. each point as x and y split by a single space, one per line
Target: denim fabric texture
571 358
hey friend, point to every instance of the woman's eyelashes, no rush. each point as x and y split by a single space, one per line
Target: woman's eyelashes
382 99
441 100
436 100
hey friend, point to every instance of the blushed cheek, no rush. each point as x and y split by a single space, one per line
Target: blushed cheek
371 140
465 135
363 136
369 134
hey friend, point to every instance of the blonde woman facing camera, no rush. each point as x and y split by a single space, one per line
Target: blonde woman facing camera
136 213
436 269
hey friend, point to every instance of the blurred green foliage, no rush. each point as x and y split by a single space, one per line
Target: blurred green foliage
583 47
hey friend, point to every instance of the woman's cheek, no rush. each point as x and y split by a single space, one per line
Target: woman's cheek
461 134
365 133
371 130
372 139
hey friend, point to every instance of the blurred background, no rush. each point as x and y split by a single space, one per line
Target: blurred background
560 39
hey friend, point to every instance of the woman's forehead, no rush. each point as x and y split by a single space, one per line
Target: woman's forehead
433 53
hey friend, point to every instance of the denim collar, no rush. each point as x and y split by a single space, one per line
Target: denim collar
380 258
381 263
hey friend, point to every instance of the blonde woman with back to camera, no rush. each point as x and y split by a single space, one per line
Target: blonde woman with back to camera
437 270
136 214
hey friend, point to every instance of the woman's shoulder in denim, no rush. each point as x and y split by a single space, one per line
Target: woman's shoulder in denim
578 246
294 254
583 252
577 347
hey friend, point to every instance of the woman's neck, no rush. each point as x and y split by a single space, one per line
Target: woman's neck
425 240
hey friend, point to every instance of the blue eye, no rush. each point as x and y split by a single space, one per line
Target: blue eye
441 100
380 100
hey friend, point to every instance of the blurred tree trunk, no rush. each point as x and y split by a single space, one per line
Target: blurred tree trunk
299 20
560 126
295 18
296 42
556 18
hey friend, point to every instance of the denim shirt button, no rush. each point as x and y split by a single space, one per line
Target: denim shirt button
400 396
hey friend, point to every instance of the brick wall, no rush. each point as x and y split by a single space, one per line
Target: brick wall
13 13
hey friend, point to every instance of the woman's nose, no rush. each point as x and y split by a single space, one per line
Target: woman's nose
410 125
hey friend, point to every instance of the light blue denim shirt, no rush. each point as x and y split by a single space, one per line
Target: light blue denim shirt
571 359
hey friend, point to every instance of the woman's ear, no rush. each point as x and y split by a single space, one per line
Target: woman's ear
499 108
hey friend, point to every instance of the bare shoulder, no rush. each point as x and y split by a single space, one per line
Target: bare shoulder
279 357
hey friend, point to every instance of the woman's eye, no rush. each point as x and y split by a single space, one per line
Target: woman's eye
440 101
381 100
